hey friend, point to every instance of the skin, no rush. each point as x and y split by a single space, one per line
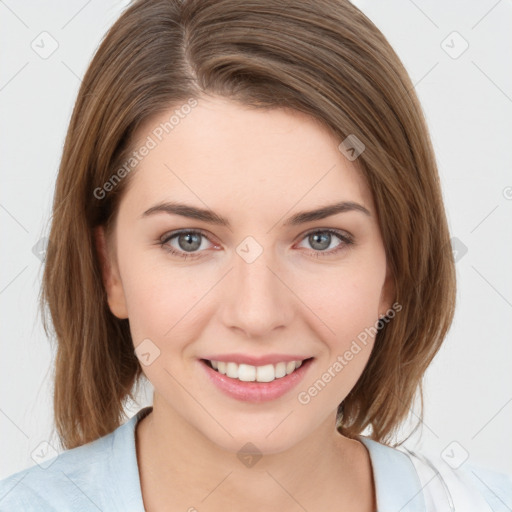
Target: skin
256 168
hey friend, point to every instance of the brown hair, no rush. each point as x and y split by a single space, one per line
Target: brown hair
321 57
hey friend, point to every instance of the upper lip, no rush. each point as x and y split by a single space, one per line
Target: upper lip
256 360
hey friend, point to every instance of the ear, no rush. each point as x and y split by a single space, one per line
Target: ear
110 275
387 294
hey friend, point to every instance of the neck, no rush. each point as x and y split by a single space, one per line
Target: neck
179 465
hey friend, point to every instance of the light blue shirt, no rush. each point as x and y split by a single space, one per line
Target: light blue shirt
103 475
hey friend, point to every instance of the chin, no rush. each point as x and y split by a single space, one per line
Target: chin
267 432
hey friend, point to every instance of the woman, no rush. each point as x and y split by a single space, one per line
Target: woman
248 214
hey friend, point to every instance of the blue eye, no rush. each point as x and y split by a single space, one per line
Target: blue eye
320 240
190 241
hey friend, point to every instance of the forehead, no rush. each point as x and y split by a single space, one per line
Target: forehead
224 154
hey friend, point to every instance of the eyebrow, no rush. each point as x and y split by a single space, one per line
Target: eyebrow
191 212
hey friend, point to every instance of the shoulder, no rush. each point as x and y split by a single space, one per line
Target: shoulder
57 482
429 482
463 485
100 475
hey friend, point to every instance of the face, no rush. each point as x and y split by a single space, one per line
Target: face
236 276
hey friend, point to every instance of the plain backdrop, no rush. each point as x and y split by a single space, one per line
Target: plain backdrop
457 54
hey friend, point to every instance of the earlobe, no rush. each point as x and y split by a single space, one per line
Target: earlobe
110 275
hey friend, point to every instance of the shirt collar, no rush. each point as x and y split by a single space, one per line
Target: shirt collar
397 485
125 466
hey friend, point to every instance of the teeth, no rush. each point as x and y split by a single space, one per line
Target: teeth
249 373
280 370
265 373
232 370
244 372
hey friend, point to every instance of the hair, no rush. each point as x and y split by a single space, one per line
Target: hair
324 58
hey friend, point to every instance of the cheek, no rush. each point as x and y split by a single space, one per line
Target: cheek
346 309
161 300
164 298
346 312
345 300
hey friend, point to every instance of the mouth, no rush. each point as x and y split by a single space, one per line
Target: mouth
251 383
251 373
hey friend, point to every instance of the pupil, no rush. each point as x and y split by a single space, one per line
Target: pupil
187 237
315 242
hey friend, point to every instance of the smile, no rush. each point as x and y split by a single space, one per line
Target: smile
255 383
250 373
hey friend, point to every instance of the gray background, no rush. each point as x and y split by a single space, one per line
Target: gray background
467 99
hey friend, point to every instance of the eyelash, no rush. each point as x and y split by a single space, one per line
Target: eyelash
345 239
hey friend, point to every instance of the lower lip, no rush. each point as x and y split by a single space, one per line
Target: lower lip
256 391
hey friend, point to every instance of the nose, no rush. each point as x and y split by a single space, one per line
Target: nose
257 299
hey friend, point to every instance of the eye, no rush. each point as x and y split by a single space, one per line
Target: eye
188 243
320 241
